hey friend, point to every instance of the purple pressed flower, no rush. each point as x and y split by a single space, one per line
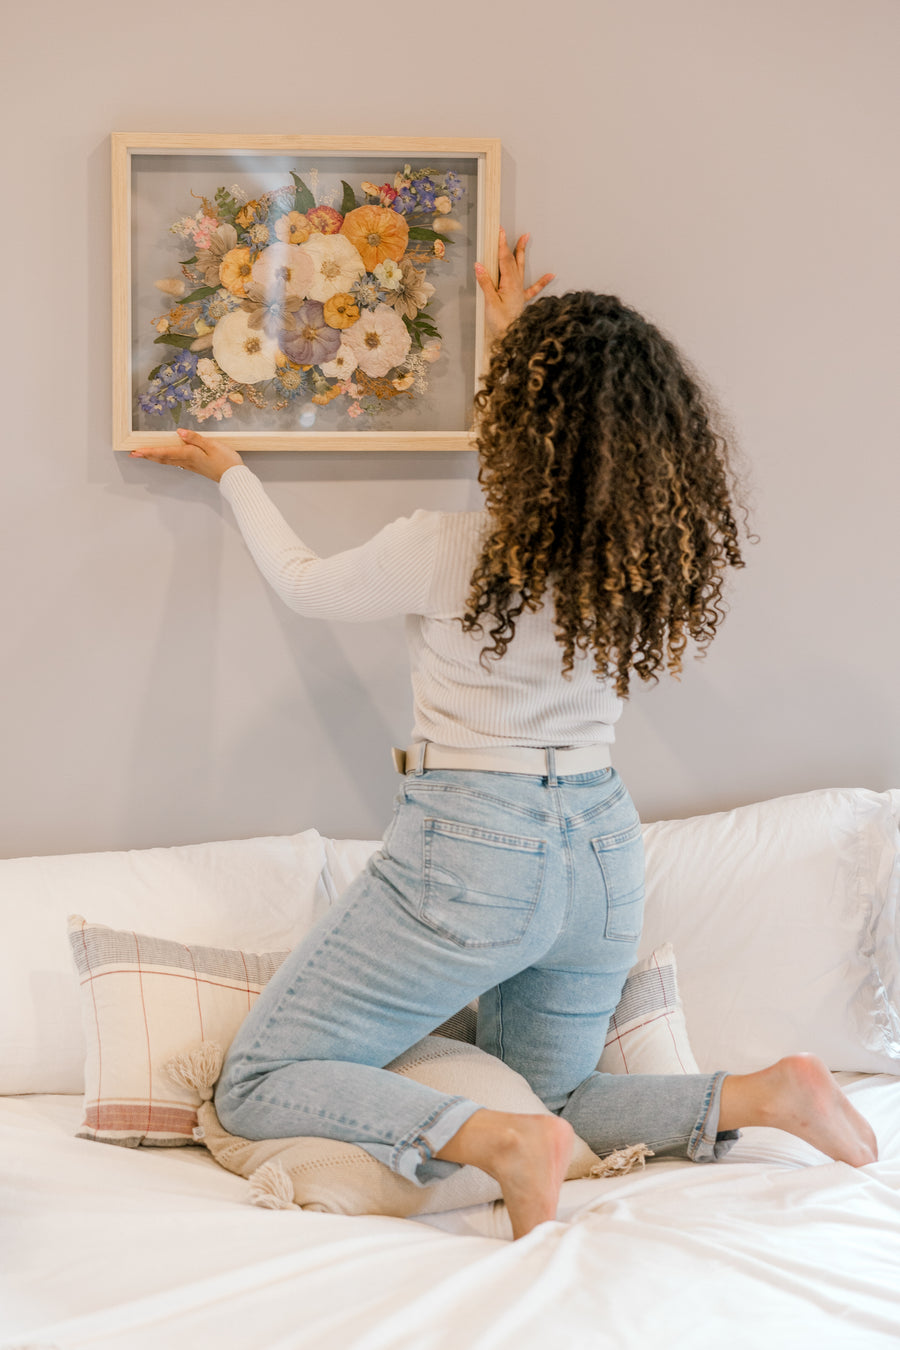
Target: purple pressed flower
312 341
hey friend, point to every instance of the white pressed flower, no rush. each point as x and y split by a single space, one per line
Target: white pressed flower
343 364
389 274
246 354
284 268
380 340
209 373
336 265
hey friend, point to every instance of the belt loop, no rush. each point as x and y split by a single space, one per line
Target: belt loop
552 780
419 759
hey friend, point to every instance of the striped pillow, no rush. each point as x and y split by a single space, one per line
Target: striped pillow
146 1000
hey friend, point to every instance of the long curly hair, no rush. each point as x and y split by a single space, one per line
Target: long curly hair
608 484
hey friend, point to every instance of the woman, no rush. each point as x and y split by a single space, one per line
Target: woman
512 868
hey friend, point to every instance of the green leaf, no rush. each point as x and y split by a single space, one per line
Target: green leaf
348 202
182 340
420 232
186 262
199 294
303 198
176 414
155 371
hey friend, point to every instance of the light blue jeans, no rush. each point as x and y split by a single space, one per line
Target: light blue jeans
527 891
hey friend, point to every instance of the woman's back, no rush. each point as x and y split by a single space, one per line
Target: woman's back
421 567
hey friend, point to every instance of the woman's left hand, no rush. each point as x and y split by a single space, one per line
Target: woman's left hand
505 301
197 453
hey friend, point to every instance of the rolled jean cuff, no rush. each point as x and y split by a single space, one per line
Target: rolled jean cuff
413 1155
707 1144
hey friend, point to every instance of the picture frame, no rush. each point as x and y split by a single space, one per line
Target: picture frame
300 293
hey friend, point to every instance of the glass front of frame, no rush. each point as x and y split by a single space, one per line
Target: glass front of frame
303 292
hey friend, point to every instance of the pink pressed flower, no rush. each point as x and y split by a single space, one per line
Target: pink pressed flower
354 410
203 229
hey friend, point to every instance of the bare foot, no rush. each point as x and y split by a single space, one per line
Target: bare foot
531 1164
528 1155
798 1094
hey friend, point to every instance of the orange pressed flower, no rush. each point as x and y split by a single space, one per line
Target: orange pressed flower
341 310
235 270
377 234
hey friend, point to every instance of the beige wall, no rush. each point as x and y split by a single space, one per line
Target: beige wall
726 167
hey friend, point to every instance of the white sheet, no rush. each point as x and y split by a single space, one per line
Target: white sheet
149 1249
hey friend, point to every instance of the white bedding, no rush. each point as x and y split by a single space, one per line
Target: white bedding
147 1249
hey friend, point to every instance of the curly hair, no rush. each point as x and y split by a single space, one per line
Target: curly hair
608 483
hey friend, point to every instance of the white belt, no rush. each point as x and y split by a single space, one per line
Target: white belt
503 759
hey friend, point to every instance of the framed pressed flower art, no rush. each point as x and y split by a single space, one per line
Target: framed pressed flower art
299 293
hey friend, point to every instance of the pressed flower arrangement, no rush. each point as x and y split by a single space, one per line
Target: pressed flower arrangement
283 303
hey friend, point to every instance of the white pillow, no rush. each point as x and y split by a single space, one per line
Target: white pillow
257 894
784 916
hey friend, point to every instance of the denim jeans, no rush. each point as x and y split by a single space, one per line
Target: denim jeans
526 891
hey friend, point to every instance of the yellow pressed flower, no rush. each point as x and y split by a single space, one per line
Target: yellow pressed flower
200 326
162 326
235 397
341 310
377 234
293 228
251 212
403 382
235 270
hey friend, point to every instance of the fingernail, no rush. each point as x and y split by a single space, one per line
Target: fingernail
181 432
478 268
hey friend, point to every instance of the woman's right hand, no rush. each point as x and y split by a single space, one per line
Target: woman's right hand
505 301
197 453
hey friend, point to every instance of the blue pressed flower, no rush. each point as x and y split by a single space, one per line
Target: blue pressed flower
186 363
149 404
366 291
214 307
454 188
405 202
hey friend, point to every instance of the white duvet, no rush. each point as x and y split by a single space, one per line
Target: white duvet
159 1250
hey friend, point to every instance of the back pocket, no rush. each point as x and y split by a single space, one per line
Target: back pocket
481 887
621 859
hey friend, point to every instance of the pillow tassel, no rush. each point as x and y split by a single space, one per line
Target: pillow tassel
271 1187
198 1069
622 1161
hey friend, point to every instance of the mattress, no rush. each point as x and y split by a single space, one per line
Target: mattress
124 1249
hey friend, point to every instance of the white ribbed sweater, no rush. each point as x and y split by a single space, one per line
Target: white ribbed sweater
420 566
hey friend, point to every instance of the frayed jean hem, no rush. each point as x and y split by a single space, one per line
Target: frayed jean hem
706 1143
413 1157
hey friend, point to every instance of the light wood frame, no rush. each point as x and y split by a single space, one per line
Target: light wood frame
125 144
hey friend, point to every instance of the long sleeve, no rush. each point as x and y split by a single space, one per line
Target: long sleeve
389 574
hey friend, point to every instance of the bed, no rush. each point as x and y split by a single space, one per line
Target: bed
783 916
